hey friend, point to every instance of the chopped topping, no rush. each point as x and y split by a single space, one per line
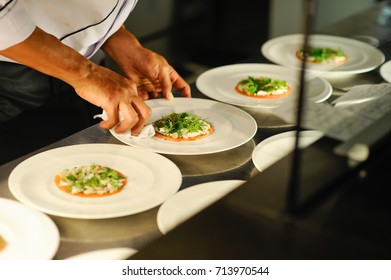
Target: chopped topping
90 179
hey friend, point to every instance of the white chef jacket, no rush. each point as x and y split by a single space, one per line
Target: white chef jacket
83 25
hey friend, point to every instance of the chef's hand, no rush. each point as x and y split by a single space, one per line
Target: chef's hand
117 96
151 72
96 84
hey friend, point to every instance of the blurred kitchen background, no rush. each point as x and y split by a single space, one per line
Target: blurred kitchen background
196 35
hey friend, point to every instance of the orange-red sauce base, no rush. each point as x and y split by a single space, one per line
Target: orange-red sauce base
58 179
262 96
180 139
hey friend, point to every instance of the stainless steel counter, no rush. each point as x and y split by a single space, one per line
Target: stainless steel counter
135 231
138 230
79 235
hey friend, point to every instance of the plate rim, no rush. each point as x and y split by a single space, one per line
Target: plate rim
386 65
46 222
234 184
282 135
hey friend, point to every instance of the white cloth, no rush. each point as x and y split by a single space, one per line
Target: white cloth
148 131
83 25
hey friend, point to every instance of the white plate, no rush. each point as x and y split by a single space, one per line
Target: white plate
232 127
192 200
121 253
276 147
362 57
151 179
385 71
30 235
219 83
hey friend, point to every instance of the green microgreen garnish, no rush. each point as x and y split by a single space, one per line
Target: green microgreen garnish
253 85
323 54
179 124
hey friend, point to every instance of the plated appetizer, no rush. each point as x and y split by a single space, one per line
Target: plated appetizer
262 87
323 55
182 127
90 180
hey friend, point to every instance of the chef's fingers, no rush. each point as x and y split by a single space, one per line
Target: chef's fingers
144 113
143 94
165 82
149 86
135 114
149 90
112 117
153 95
181 85
169 79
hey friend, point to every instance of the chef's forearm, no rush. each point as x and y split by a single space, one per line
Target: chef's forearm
45 53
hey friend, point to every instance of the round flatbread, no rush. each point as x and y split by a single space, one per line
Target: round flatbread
90 180
182 127
262 87
323 55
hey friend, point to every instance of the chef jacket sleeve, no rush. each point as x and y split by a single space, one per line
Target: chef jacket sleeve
15 23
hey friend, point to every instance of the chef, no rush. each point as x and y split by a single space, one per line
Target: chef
45 46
